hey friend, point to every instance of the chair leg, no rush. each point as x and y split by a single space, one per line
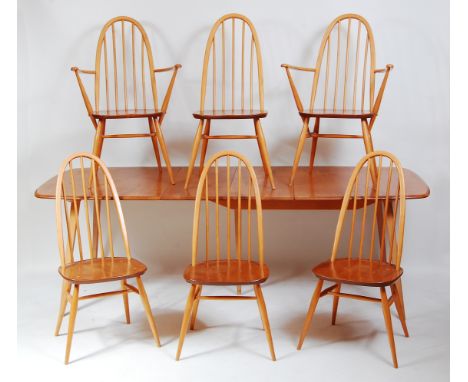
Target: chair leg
196 144
195 306
300 147
71 321
310 313
63 304
399 288
313 150
264 316
399 308
388 324
149 314
125 301
154 140
336 299
185 321
164 151
264 152
98 137
204 144
369 146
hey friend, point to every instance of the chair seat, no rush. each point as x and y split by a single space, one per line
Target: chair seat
130 113
102 269
358 272
338 113
230 114
226 272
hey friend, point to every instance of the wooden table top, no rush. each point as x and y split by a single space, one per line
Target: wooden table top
322 189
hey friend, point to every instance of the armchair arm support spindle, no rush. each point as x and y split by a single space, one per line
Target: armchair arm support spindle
297 99
86 100
378 100
168 94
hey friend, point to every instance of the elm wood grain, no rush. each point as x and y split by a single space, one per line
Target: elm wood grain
102 270
373 255
130 113
358 272
86 236
346 54
243 105
226 272
133 96
329 113
221 264
322 189
230 114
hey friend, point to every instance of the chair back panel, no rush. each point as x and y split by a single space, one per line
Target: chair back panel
375 200
86 199
125 77
345 77
230 174
232 76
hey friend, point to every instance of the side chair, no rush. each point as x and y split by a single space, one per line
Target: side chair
233 259
359 256
232 85
92 248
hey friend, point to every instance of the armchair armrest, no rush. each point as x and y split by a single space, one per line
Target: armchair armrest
175 68
287 66
86 100
161 70
378 100
297 99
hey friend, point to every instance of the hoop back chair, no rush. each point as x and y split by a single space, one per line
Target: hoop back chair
229 264
343 85
232 86
88 242
125 85
368 260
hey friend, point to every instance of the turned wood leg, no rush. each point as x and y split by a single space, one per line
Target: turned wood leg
388 324
264 316
336 299
300 147
186 319
310 313
63 304
71 321
154 140
206 132
125 301
399 307
313 150
264 152
196 144
164 151
198 291
149 314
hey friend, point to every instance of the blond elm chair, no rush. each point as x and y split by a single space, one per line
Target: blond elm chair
88 242
221 264
343 84
233 79
359 256
125 85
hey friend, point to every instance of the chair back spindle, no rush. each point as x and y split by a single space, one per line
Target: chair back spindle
232 66
231 174
344 78
372 206
86 200
125 77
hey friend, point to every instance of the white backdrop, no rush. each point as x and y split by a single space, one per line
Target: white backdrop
413 123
